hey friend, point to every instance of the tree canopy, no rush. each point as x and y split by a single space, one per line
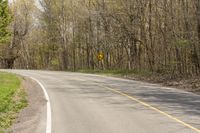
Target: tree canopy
5 20
159 36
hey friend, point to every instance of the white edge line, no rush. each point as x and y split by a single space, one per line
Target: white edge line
48 124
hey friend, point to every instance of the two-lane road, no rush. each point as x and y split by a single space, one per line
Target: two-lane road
84 103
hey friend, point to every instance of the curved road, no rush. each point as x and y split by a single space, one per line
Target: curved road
84 103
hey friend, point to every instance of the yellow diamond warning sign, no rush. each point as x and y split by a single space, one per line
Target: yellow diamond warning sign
100 56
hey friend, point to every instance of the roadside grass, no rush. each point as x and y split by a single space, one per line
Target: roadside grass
116 72
12 99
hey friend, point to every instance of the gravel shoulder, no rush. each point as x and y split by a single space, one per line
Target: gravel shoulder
33 117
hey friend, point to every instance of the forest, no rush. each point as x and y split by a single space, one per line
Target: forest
160 36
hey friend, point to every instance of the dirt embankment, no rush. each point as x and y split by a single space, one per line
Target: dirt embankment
187 84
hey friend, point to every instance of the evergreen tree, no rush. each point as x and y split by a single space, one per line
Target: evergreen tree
5 20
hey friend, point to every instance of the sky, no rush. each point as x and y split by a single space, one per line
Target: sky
36 2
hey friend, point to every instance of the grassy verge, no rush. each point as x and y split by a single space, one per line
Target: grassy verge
12 99
117 72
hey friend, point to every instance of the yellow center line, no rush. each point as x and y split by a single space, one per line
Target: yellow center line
153 108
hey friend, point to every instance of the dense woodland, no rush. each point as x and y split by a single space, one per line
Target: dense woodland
161 36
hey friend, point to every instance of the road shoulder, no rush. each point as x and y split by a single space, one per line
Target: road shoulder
189 84
33 117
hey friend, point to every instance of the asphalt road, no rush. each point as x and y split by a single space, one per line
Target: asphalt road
84 103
